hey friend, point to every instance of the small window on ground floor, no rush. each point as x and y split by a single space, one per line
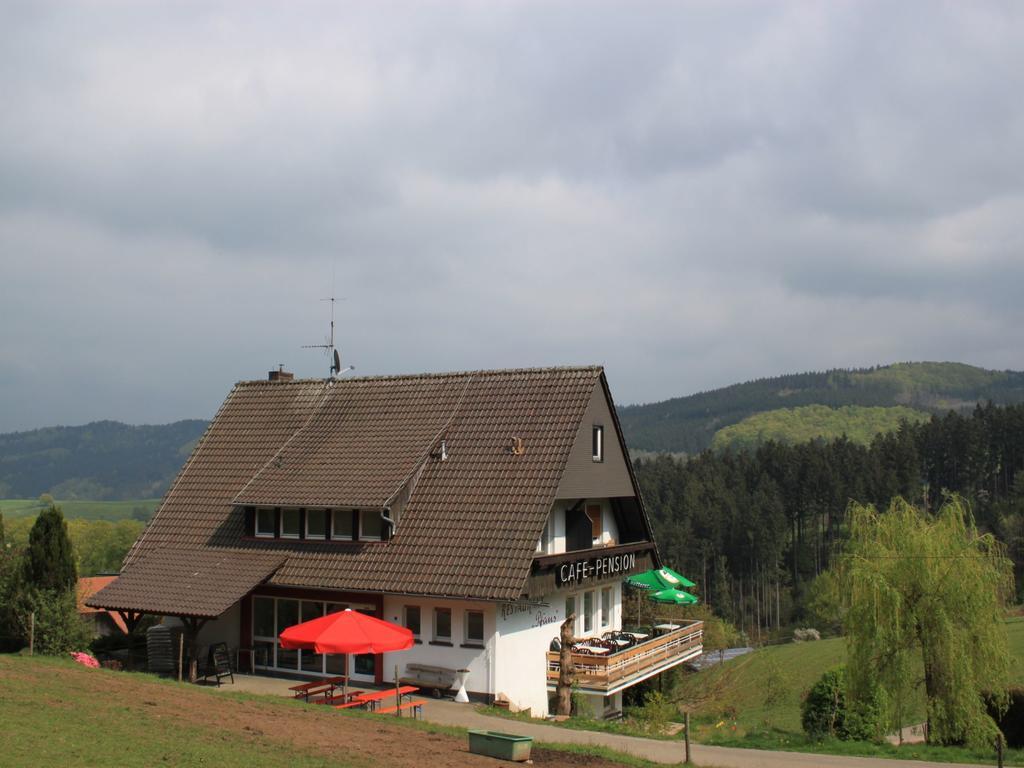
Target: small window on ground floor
588 611
412 619
475 627
266 520
443 625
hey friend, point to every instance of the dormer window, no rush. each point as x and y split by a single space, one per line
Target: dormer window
266 520
598 442
342 528
316 523
371 527
290 523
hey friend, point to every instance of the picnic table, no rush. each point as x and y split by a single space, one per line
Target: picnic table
325 686
372 700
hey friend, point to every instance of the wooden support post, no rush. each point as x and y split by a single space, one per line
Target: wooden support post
686 736
31 633
398 696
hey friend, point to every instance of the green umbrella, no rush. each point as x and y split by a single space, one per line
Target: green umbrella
659 578
675 596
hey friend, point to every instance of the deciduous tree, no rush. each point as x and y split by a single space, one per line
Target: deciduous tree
924 600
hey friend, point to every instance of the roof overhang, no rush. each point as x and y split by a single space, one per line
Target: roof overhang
196 583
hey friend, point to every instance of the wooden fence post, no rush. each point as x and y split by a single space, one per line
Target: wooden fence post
686 734
181 653
31 633
999 750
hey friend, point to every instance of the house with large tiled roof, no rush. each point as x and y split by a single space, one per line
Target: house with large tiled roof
479 509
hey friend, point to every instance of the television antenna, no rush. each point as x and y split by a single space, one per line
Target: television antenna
336 369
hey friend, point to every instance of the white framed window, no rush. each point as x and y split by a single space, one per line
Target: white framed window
412 619
588 611
443 625
474 628
266 519
290 523
606 607
371 527
316 523
341 524
598 442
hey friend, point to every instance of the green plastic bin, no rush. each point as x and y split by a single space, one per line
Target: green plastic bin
504 746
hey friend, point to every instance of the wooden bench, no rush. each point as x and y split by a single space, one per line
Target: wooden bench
416 705
333 699
316 687
425 676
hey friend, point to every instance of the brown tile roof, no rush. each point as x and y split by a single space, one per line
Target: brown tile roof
198 582
471 525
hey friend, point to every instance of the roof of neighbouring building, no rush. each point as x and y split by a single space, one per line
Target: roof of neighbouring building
469 528
89 586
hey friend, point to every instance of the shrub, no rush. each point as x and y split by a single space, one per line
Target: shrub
656 713
828 712
58 627
776 684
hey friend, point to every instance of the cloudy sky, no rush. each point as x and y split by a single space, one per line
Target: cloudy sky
691 193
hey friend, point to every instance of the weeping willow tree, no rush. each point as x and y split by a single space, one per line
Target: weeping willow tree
924 600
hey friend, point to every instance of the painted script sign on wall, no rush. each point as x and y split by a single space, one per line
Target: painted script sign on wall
569 574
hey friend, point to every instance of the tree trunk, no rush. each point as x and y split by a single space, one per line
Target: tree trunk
566 669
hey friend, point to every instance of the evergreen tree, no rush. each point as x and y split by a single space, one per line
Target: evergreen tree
49 561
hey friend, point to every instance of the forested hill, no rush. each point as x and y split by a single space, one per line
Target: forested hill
105 460
689 424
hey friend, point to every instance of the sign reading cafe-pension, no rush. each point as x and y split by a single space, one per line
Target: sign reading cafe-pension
595 568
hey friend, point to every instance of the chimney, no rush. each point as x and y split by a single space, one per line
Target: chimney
280 374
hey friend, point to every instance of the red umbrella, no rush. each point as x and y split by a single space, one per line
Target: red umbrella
347 631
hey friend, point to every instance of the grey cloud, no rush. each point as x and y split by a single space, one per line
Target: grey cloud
692 194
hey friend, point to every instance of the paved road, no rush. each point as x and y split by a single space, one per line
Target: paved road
449 713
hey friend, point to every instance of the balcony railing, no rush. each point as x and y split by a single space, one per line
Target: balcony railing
619 670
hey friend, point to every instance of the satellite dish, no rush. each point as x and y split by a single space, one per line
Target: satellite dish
337 362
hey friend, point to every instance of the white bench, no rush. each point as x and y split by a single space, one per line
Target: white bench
424 676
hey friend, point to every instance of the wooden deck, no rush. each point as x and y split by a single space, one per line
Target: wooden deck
613 673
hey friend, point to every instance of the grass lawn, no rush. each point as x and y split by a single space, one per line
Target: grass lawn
85 510
729 709
55 712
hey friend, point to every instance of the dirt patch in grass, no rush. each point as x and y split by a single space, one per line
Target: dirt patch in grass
230 721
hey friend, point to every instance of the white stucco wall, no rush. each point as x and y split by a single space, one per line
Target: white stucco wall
476 660
524 633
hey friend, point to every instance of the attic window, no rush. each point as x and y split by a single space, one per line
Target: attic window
316 523
265 522
371 527
290 525
598 442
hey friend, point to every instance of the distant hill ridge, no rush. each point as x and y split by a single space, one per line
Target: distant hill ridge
689 424
111 461
103 461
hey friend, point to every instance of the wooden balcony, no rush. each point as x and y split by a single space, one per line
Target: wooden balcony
612 673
